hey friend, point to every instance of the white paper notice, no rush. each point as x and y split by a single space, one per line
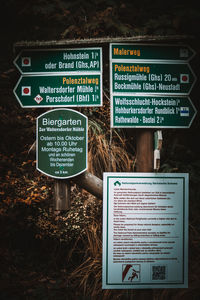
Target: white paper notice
145 230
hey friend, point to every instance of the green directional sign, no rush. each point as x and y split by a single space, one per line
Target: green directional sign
61 143
59 90
59 60
151 77
152 111
151 52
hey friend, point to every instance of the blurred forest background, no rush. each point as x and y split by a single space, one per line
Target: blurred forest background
48 256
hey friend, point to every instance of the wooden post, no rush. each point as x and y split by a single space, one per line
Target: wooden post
145 163
62 191
144 157
86 180
91 183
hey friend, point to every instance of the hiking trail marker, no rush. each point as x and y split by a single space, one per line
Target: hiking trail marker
59 77
153 111
42 61
61 150
58 90
155 78
146 80
151 51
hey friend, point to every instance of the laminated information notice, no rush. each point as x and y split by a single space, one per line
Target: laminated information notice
145 230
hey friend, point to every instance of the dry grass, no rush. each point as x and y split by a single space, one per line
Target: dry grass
107 151
87 276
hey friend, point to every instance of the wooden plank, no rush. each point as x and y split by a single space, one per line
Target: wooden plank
98 41
90 183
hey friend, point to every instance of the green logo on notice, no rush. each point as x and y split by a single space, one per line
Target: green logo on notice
117 183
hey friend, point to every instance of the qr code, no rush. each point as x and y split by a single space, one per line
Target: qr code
159 272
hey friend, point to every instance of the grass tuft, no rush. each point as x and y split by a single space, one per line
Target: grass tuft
107 151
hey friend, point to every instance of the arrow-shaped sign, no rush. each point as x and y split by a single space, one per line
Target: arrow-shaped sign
151 78
59 90
59 60
152 111
151 52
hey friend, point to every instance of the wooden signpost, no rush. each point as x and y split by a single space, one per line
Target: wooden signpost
149 83
150 86
144 86
69 77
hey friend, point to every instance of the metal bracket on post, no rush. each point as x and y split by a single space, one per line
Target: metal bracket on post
157 147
